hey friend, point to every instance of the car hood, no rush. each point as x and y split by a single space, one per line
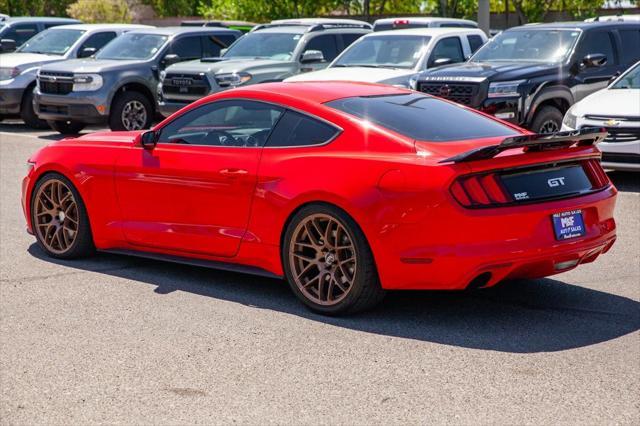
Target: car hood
224 65
494 71
91 65
364 74
610 103
27 60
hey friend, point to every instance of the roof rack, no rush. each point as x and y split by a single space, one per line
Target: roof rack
314 25
319 27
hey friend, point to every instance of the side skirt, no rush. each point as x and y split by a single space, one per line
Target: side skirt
211 264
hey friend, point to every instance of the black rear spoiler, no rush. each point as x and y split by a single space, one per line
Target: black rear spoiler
537 142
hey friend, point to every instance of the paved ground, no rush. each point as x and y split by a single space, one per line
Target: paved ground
121 340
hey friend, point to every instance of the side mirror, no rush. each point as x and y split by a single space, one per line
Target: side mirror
594 60
223 51
442 61
170 59
311 56
86 52
148 140
7 45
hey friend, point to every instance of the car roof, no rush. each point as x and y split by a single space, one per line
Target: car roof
426 31
322 91
91 27
422 19
314 24
184 30
582 25
39 19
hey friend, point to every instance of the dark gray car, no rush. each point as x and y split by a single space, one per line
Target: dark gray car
119 85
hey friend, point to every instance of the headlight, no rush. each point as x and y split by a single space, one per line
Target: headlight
232 79
86 82
413 82
570 119
503 89
9 73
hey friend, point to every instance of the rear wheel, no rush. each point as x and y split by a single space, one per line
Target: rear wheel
67 127
59 218
328 262
28 114
547 120
131 111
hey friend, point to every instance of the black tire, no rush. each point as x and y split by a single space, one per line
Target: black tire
116 122
27 113
365 291
83 245
68 127
547 120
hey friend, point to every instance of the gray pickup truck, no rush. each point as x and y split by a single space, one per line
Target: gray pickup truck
270 52
119 84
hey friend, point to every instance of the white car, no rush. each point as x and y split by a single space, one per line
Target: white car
393 57
386 24
616 108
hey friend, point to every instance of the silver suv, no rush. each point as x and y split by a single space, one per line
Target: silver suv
270 52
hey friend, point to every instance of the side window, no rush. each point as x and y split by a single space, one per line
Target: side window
233 123
21 32
325 43
447 48
347 39
630 45
97 41
295 129
599 42
211 45
187 48
475 41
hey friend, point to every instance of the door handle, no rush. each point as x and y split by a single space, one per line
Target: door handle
233 172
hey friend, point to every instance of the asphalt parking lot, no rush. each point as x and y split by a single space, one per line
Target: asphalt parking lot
121 340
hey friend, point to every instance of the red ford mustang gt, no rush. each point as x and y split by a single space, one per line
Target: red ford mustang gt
344 189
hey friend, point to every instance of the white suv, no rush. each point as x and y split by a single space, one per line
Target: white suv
393 57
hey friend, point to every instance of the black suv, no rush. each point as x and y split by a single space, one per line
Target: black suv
531 75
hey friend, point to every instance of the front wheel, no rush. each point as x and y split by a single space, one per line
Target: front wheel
130 111
28 114
59 218
547 120
66 127
328 262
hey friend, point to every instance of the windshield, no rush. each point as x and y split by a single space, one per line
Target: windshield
630 80
384 52
422 117
528 46
277 46
132 46
51 42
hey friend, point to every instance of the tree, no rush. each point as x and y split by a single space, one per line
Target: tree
91 11
35 7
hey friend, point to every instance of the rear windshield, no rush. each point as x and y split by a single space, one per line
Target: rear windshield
422 117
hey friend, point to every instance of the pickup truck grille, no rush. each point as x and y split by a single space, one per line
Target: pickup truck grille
462 93
55 83
189 85
622 134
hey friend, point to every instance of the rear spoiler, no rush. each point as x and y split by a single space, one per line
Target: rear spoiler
536 142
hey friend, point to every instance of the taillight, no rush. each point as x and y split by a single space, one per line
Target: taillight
401 22
479 190
596 173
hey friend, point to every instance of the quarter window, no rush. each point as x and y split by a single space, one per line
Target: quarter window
347 39
97 41
326 44
233 123
295 129
475 42
630 45
449 48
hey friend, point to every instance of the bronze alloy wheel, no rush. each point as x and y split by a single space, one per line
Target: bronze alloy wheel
56 216
323 259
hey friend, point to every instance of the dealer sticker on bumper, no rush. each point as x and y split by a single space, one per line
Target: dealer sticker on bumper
568 225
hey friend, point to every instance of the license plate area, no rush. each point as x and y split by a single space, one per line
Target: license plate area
568 225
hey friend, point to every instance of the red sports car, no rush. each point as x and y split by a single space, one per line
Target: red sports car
345 189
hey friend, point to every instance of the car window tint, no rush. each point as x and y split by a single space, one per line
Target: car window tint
295 129
630 45
212 44
475 41
21 33
236 123
450 48
97 41
599 42
187 47
348 39
326 44
422 117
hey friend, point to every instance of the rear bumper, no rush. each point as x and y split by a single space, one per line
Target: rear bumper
453 246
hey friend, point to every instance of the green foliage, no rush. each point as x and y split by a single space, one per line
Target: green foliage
165 8
35 7
92 11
